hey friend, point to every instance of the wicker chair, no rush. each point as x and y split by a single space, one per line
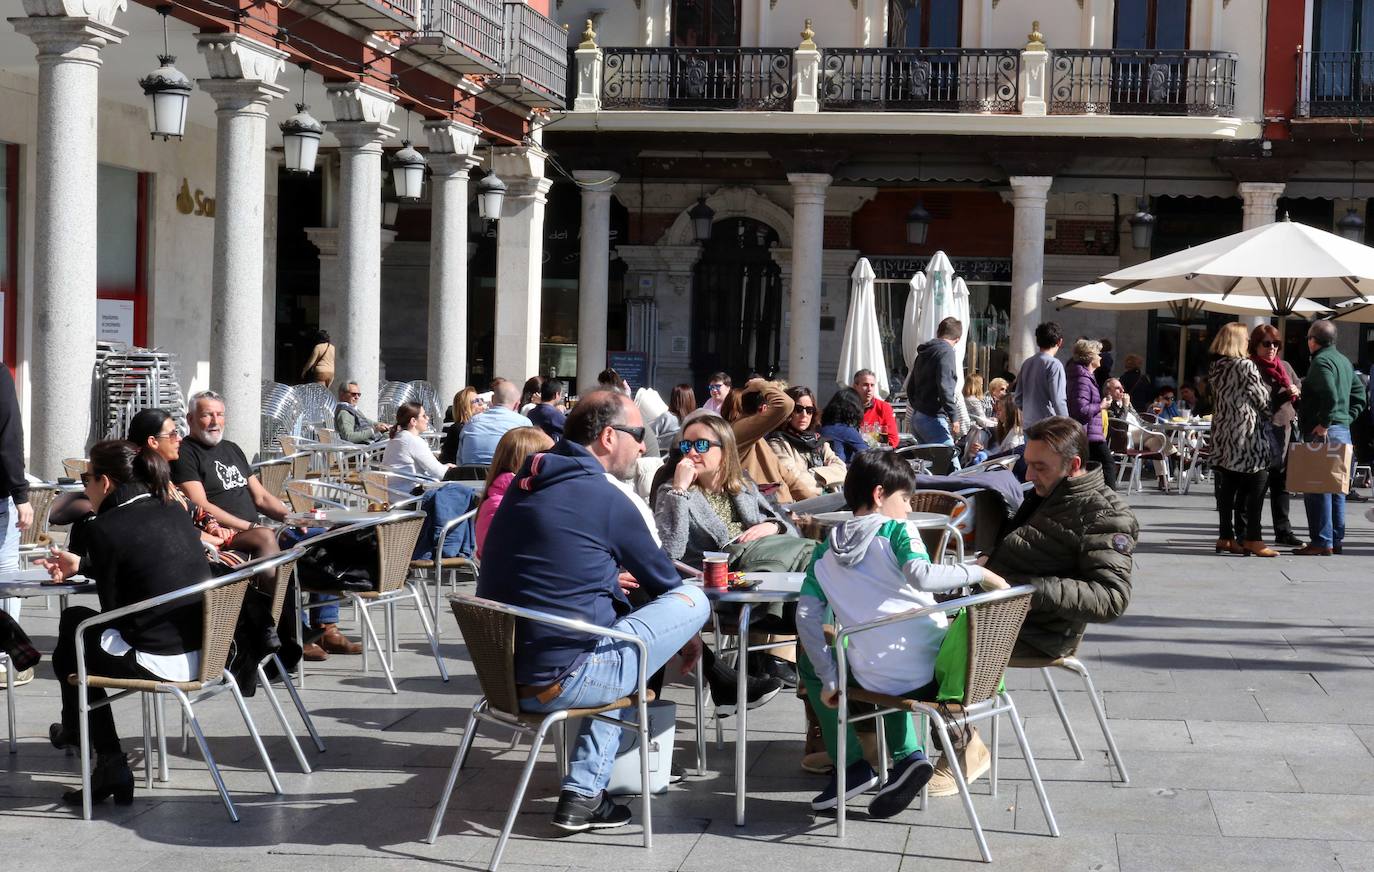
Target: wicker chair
73 467
1071 663
281 579
940 457
994 621
222 598
1122 441
304 495
273 475
35 539
488 630
291 449
960 512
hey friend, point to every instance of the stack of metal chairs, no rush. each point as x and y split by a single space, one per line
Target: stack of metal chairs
130 379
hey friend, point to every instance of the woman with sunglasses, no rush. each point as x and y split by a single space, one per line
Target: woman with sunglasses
140 545
801 450
1266 346
1241 454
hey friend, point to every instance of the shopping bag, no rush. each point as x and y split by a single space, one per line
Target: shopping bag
1319 467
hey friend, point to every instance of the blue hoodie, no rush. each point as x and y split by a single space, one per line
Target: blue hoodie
557 545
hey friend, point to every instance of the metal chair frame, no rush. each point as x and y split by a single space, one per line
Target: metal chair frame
1132 458
958 507
10 676
1072 664
442 565
283 574
973 710
537 726
938 455
214 679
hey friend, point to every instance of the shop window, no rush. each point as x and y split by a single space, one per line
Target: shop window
924 23
122 255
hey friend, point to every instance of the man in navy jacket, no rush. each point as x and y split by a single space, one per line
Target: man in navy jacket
558 544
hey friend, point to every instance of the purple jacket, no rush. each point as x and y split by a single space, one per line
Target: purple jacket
1084 400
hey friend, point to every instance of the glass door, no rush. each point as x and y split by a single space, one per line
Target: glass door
1145 70
1343 54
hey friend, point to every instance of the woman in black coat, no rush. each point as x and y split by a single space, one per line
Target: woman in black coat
141 544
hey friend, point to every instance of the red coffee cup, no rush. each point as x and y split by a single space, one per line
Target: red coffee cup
715 572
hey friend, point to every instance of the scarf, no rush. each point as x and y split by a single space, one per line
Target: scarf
1275 374
808 444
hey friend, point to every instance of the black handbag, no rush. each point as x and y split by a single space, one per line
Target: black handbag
343 563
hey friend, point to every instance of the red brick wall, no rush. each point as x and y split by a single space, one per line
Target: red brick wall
1069 233
839 231
967 223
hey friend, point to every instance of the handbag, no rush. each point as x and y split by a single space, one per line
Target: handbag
1319 467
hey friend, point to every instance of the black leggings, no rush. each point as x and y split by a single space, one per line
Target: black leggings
1240 495
1102 454
104 739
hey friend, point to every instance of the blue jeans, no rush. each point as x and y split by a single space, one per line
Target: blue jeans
611 671
933 430
1326 512
9 551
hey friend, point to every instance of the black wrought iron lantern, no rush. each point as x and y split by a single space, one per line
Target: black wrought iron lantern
168 91
300 135
917 224
703 219
491 197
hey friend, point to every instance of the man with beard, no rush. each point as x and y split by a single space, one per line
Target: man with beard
558 544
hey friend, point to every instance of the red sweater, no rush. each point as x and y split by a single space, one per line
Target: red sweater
880 414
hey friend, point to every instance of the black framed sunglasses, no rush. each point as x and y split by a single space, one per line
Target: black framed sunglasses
804 410
87 478
686 446
1271 343
636 433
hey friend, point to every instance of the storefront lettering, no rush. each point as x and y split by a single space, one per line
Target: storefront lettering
194 204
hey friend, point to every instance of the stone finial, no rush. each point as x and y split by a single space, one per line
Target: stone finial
1035 40
808 36
588 36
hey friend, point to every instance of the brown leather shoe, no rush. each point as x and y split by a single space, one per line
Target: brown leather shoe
1312 551
1229 546
337 643
314 653
1259 549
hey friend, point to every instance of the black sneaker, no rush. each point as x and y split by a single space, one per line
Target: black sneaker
904 780
724 694
577 813
859 777
783 671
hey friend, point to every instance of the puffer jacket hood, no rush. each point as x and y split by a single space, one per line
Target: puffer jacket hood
849 541
566 460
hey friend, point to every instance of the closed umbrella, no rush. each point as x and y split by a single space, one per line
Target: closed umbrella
912 337
862 347
936 295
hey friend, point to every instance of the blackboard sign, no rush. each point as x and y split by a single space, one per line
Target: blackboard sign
633 366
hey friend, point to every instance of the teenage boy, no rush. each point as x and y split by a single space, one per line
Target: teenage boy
872 566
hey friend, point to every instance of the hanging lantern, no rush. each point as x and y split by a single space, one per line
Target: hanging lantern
300 135
408 172
391 210
1142 225
917 224
491 197
703 218
168 92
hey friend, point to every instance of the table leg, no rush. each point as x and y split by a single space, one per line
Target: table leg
741 711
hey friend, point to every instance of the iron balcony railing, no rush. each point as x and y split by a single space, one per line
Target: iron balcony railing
1336 84
680 77
474 25
920 80
536 52
1142 82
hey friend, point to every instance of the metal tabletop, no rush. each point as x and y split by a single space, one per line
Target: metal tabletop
34 582
920 520
331 518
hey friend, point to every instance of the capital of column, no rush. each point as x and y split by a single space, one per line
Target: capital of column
245 96
809 188
99 11
63 39
520 162
1030 190
451 137
528 189
360 137
1261 194
231 56
452 165
596 181
356 102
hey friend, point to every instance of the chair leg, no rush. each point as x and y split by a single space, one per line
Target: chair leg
1073 664
560 749
1030 764
519 795
964 794
160 720
376 643
1063 715
9 711
420 607
459 755
253 731
994 738
84 715
392 638
296 699
699 680
645 787
281 718
205 754
147 705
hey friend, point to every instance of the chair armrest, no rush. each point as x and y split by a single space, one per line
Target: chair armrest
453 522
946 607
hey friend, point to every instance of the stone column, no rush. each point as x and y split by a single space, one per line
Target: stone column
519 262
450 157
1260 202
1028 195
64 265
361 113
242 77
594 274
808 247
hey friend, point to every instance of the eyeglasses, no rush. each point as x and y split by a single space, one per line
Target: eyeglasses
87 478
701 446
714 388
1271 343
353 394
636 433
804 410
175 436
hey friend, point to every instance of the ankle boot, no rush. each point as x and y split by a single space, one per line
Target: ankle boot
335 642
1259 549
110 776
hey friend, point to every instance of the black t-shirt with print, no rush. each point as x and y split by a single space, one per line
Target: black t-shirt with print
223 470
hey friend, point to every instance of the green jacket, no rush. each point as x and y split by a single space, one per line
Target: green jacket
1331 392
353 426
1076 550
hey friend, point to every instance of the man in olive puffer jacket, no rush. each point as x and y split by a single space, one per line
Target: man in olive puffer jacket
1072 540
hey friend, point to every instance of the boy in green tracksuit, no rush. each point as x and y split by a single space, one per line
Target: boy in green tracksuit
872 566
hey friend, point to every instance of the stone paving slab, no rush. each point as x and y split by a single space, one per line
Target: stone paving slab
1238 689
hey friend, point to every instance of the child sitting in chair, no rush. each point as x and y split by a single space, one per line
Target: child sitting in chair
869 567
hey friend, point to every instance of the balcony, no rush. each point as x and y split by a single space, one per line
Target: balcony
1336 84
1142 82
464 35
920 80
380 14
741 79
534 58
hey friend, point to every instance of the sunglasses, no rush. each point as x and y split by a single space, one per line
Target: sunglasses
87 478
804 410
714 388
636 433
1271 343
354 394
701 446
175 436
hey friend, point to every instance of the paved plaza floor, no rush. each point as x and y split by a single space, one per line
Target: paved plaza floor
1240 690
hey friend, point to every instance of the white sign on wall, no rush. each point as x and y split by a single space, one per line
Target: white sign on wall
115 321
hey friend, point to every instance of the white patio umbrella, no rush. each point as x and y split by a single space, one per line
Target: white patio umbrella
1183 307
1280 263
936 294
862 347
1354 312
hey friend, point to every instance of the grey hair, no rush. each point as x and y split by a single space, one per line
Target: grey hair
204 395
1084 349
1323 333
861 373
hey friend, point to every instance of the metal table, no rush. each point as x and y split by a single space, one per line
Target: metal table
774 587
920 520
331 518
34 582
1187 437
